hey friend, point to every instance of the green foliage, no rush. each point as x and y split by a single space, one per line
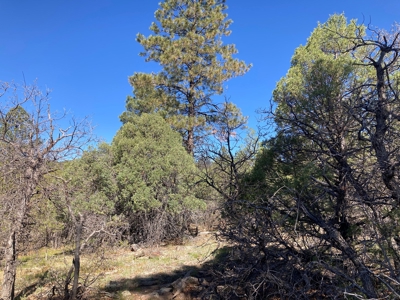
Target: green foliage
320 71
325 184
329 171
48 224
89 185
187 43
81 189
313 102
97 166
153 169
15 125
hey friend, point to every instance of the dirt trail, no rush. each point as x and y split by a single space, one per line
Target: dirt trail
169 272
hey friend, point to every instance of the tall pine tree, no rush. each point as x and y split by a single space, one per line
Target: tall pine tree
187 44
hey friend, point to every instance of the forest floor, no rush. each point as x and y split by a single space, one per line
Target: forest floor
164 272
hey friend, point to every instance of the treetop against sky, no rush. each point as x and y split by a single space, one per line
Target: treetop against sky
85 51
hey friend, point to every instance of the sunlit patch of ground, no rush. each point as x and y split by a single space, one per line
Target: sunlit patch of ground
119 273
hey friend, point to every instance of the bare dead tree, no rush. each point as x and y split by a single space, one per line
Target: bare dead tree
227 154
32 142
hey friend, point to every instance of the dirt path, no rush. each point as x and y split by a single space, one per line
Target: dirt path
169 272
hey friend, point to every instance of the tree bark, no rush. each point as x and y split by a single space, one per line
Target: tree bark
10 270
191 125
341 244
77 260
10 258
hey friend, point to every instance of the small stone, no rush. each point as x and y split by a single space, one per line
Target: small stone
135 247
192 280
165 290
126 293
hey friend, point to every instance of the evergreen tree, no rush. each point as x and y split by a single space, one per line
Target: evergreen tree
83 192
336 151
155 178
323 194
187 44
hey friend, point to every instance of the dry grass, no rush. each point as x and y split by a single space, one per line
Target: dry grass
119 273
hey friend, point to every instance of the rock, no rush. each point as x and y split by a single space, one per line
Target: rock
192 280
165 290
126 293
184 284
135 247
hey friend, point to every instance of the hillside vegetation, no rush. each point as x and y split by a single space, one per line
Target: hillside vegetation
306 208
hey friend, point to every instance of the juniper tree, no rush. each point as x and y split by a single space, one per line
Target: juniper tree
336 153
323 196
155 178
83 193
187 44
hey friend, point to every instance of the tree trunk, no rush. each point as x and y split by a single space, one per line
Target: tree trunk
8 287
190 142
191 122
190 132
10 255
337 239
77 259
76 262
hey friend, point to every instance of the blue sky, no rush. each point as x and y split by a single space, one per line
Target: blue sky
84 51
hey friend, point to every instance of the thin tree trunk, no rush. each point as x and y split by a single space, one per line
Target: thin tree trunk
77 259
10 255
190 133
190 142
10 270
67 282
76 262
191 123
340 243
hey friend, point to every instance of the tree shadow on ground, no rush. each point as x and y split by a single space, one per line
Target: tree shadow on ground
32 288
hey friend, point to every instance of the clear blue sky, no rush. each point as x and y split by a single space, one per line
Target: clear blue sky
84 51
